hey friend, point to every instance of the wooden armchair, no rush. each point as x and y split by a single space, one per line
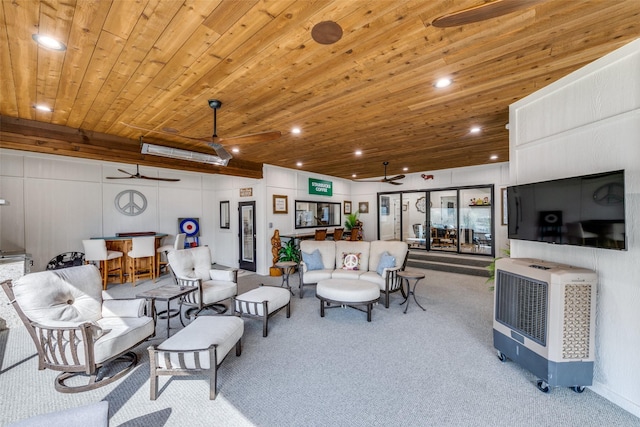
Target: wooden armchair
75 330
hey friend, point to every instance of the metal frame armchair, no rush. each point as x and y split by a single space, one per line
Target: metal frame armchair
192 267
75 329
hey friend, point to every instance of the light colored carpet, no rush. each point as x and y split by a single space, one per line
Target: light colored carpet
435 368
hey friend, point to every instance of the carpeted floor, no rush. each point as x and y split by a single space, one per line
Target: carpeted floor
436 367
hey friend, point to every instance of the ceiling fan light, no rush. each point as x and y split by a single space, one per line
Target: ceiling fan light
176 153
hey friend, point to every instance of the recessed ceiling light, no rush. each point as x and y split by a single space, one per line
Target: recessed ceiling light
475 129
442 83
44 108
48 42
493 157
353 175
296 131
358 153
299 164
235 150
405 169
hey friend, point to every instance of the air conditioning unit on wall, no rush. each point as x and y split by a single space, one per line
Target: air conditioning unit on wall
544 320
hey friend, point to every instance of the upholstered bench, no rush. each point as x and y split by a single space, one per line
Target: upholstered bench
201 346
347 292
262 302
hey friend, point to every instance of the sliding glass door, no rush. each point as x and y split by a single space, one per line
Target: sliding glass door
458 220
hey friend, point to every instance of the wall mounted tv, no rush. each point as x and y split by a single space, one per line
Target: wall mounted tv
584 211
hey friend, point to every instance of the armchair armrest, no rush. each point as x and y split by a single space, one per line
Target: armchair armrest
123 308
224 275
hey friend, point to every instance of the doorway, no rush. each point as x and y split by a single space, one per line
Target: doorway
247 235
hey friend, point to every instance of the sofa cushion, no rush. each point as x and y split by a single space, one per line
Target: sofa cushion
346 274
386 261
396 249
314 276
313 260
327 250
348 247
351 261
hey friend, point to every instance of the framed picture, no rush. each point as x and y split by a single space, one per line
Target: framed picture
280 204
347 207
224 214
505 217
363 207
405 206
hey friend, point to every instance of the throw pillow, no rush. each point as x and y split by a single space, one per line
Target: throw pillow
386 261
350 261
313 260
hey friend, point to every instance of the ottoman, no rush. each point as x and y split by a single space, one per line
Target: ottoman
262 302
200 347
347 292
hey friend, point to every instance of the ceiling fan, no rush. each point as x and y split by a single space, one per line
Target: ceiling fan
389 180
215 141
138 176
482 12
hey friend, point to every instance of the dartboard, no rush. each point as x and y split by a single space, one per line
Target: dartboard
189 226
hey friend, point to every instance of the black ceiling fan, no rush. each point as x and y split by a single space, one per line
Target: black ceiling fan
138 176
389 180
215 141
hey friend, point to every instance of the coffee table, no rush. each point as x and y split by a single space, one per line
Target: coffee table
166 293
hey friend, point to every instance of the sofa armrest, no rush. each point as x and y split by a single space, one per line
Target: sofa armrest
123 308
391 279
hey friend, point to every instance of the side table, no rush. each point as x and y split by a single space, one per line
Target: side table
286 267
166 293
406 276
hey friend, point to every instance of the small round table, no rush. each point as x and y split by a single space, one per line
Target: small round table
286 267
406 276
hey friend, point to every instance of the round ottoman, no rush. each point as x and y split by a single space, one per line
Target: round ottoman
347 292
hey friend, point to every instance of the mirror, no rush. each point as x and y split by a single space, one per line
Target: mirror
224 214
317 214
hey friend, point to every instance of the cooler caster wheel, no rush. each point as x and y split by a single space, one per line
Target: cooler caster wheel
578 388
502 357
542 386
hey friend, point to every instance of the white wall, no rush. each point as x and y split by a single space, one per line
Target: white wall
585 123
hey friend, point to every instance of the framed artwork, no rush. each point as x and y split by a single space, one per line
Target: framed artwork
224 214
421 204
363 207
505 217
280 204
405 206
384 205
347 207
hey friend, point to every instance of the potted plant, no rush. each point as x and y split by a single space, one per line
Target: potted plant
289 252
492 267
351 220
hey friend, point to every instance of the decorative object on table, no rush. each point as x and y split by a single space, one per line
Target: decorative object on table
363 207
289 252
280 204
347 207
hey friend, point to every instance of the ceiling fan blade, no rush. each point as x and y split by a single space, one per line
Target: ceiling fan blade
482 12
132 175
394 178
120 177
393 182
252 138
161 132
159 179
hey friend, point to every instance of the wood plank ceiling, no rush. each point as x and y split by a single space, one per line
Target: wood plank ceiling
155 63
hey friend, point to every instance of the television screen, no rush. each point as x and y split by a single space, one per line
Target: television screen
584 210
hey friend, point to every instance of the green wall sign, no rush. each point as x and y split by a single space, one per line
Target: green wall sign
320 187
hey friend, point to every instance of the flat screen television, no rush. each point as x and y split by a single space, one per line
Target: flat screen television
584 210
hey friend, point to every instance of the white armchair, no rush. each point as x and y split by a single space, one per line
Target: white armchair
76 328
192 267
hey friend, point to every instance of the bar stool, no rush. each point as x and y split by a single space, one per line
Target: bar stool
143 248
178 244
337 233
321 234
95 250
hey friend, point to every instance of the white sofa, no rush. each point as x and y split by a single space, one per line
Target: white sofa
370 254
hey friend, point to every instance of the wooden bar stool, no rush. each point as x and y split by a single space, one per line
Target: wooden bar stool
95 250
143 248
